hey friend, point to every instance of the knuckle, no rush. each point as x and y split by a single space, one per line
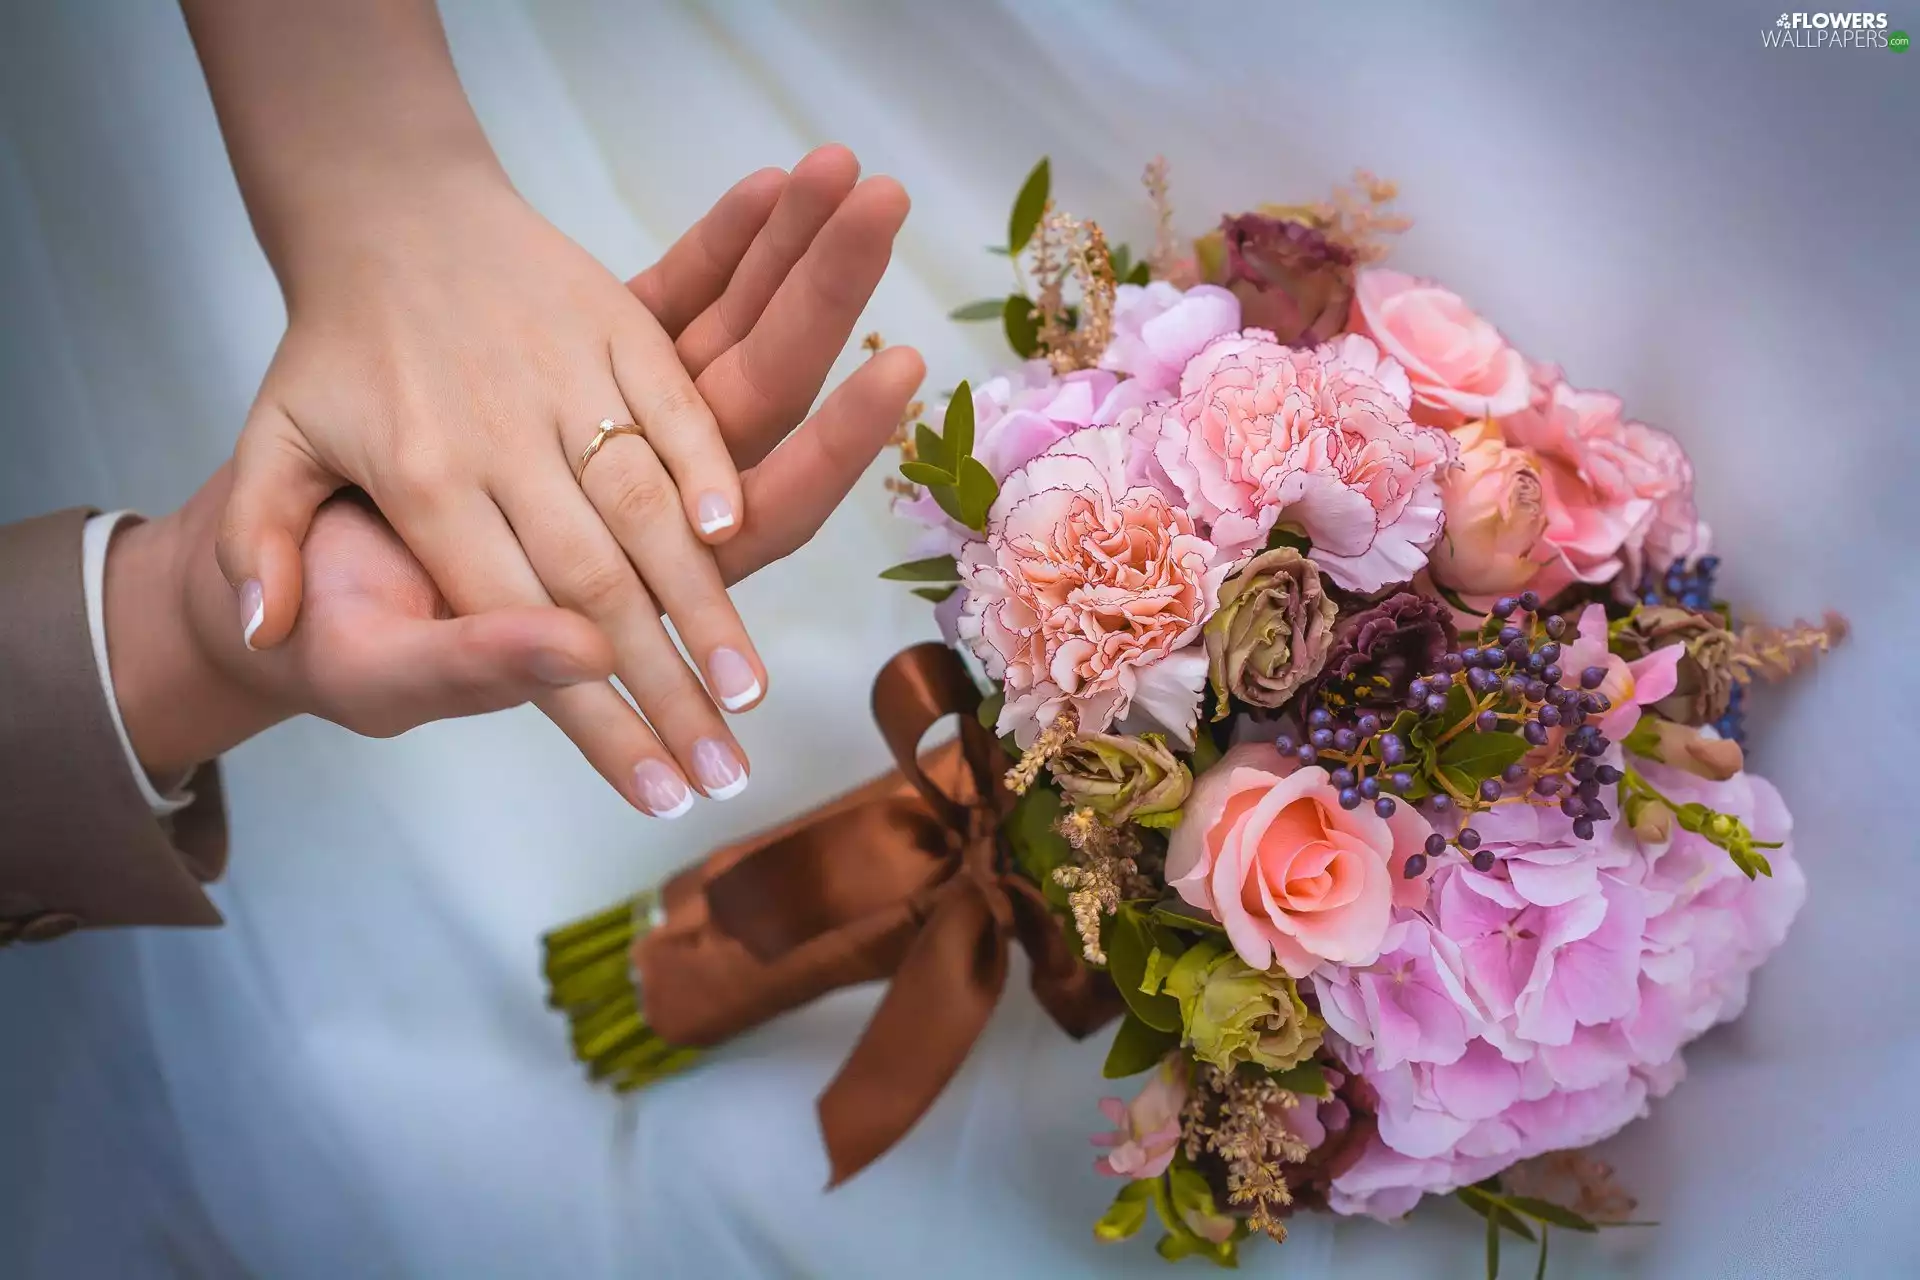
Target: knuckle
600 585
641 496
422 470
677 402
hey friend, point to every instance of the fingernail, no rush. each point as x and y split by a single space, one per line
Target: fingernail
734 682
715 512
718 769
253 609
661 789
557 669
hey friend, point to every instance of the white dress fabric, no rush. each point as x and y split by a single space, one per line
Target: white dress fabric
357 1076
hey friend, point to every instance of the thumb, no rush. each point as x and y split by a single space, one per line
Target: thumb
420 670
277 486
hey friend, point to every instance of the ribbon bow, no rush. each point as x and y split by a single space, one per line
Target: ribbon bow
907 877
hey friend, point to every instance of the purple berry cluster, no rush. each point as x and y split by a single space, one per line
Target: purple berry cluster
1689 586
1507 678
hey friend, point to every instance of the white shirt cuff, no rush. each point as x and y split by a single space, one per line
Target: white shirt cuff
93 560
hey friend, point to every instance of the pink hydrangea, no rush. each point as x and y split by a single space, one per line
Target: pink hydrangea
1157 329
1088 593
1146 1131
1319 438
1579 969
1017 416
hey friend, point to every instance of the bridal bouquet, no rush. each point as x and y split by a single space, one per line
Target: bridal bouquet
1346 706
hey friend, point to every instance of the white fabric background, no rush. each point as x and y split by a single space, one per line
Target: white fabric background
357 1076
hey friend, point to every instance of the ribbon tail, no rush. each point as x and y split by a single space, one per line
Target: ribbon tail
941 997
1080 999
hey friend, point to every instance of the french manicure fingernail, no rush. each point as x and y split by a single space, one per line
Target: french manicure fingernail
718 769
734 682
715 512
661 789
253 609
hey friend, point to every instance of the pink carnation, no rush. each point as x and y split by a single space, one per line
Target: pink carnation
1460 367
1317 438
1088 593
1157 329
1017 416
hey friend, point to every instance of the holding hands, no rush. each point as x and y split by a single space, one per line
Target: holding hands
541 437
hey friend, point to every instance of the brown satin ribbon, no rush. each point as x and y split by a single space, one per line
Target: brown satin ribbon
907 877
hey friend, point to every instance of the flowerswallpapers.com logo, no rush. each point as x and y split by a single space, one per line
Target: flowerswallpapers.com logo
1833 31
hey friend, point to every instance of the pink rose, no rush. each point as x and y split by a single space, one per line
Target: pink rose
1294 878
1460 366
1496 516
1158 328
1612 487
1089 593
1319 438
1146 1132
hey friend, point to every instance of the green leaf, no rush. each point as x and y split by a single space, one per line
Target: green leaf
1493 1250
1166 821
1452 597
1181 915
1128 942
930 448
1549 1212
1022 326
957 430
1122 259
1481 755
1206 752
1539 1270
1139 275
1137 1047
1309 1078
1285 537
989 712
1643 740
948 498
1493 1207
977 492
1127 1214
984 309
935 594
927 474
1028 206
1037 847
932 569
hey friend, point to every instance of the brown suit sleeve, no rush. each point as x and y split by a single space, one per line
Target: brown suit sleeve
78 844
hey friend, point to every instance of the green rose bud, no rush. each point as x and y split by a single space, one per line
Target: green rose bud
1234 1013
1123 778
1272 630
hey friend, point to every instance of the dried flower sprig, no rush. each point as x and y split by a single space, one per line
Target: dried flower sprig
1358 216
1241 1118
1573 1179
1105 872
1164 262
1774 653
1051 742
1069 251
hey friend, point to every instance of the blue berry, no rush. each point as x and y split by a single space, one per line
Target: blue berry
1529 600
1490 790
1436 845
1384 806
1550 716
1400 780
1350 798
1436 703
1583 828
1547 786
1321 738
1606 775
1593 677
1552 674
1370 788
1468 838
1453 664
1470 656
1550 652
1515 686
1504 606
1584 769
1440 680
1369 725
1537 691
1345 739
1417 691
1285 744
1415 867
1483 861
1487 721
1514 772
1589 789
1306 754
1392 748
1481 680
1536 663
1508 634
1343 777
1597 811
1574 807
1534 732
1556 626
1319 718
1517 650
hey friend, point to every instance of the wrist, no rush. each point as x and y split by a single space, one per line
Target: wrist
180 706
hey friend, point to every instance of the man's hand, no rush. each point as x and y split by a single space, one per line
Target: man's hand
757 321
